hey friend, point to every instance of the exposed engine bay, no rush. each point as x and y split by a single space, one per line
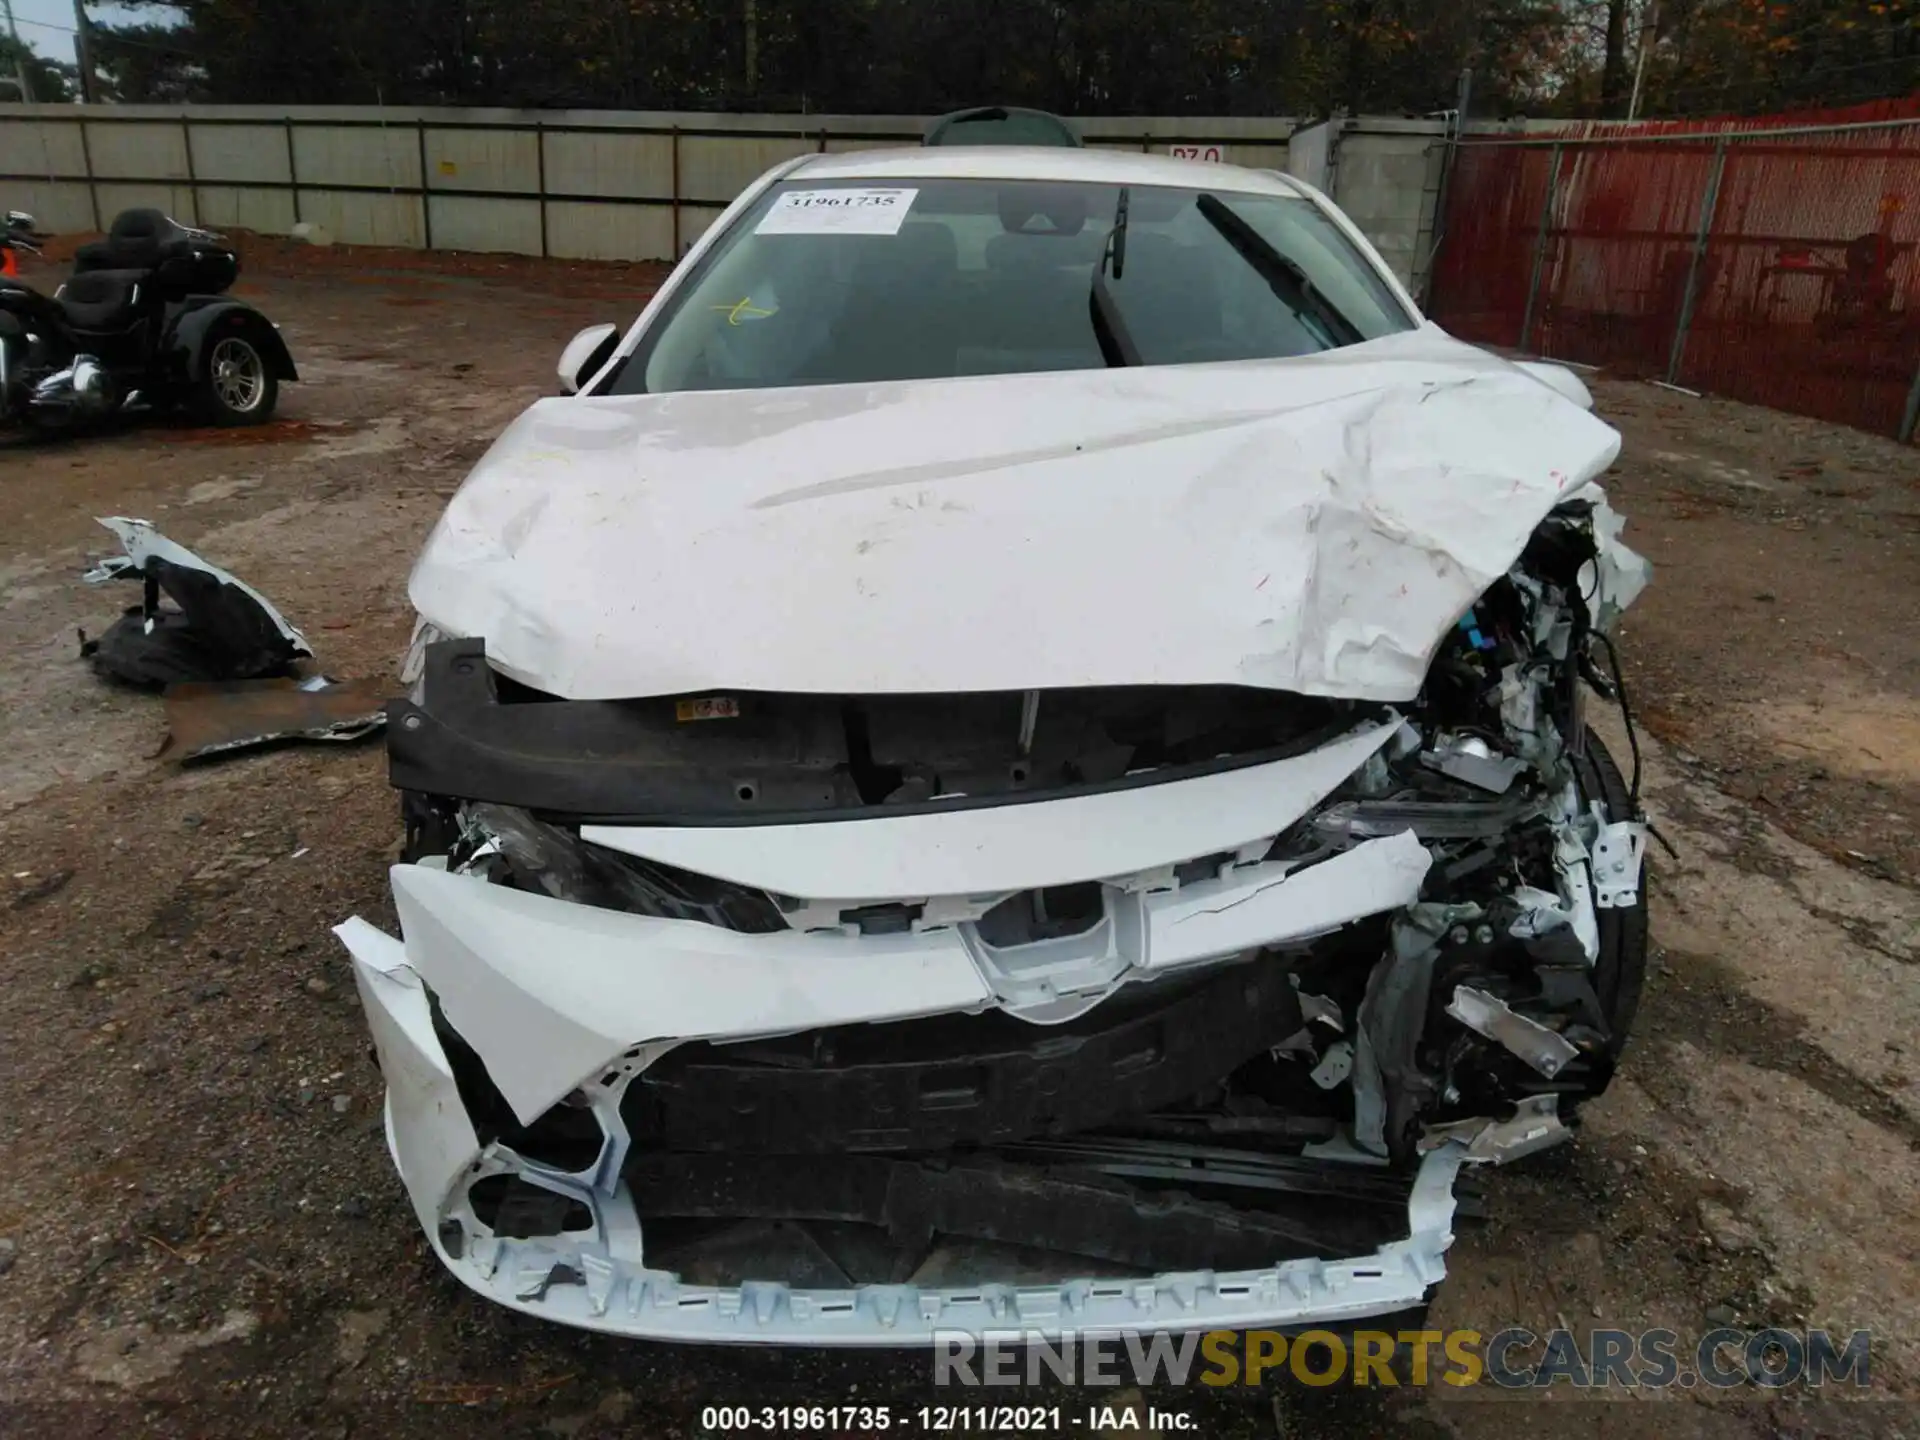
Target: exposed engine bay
806 1058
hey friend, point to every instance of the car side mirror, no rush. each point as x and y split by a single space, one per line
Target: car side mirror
585 354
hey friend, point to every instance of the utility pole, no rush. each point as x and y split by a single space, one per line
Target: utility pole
19 55
1648 31
83 51
752 18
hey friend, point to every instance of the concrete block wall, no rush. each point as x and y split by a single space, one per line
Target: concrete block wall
1385 173
600 185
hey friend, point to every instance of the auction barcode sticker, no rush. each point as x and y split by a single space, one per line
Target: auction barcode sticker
837 212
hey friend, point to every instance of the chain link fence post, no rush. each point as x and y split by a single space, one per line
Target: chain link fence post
675 257
193 183
426 191
293 172
1540 247
86 159
1709 202
540 174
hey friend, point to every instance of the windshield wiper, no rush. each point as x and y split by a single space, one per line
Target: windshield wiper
1284 277
1116 345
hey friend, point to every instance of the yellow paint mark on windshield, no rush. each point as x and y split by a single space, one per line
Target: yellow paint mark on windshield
744 310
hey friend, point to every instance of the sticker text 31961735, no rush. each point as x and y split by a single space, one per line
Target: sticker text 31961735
838 212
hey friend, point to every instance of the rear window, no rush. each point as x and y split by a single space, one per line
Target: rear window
848 282
996 126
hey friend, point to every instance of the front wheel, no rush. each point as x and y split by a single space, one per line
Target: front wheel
236 387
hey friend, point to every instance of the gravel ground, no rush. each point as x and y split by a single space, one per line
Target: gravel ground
199 1229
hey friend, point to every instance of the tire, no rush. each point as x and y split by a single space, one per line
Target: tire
1620 970
236 386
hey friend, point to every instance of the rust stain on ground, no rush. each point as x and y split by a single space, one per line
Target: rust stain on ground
274 432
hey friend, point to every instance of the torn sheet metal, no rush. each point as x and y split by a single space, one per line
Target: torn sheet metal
1547 1051
1387 1082
1615 579
207 718
1315 525
1335 1066
1572 908
1618 853
1534 1126
223 629
1319 1009
1470 759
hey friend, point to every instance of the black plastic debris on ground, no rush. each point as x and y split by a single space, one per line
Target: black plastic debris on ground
215 628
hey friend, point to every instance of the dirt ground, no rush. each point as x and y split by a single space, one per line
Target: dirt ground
200 1232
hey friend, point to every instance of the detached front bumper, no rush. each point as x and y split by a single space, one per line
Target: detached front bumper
566 1004
598 1277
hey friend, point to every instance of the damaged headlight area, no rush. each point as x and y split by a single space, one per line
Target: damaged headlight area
830 1020
511 847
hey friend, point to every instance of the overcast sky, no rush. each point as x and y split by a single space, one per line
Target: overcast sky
34 17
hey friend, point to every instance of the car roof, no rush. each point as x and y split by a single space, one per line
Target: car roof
1041 162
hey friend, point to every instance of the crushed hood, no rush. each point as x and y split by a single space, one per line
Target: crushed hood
1313 525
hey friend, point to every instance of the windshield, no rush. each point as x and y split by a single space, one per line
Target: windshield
835 283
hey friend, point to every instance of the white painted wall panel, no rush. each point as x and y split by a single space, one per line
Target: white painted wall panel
465 223
610 164
579 231
139 152
176 200
483 160
844 144
1384 183
61 206
695 221
227 207
343 155
715 169
240 152
357 218
41 147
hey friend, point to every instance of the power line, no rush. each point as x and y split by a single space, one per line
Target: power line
1782 81
112 36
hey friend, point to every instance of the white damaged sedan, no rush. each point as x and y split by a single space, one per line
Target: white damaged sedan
1012 757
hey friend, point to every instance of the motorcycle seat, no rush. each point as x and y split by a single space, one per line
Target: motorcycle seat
137 240
102 300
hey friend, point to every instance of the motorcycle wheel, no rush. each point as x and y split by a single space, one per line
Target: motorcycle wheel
236 387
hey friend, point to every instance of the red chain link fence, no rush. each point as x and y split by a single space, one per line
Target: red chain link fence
1772 260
